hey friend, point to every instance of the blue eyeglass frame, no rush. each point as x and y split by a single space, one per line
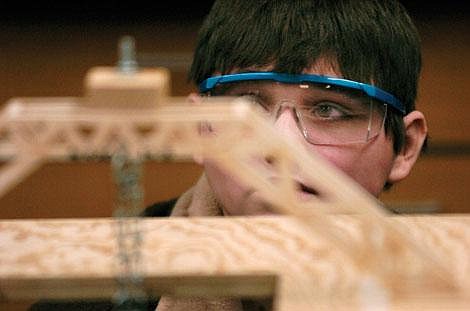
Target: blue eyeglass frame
370 90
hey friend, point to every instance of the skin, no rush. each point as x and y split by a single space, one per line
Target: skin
370 164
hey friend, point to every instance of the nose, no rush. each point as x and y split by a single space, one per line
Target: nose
287 125
287 122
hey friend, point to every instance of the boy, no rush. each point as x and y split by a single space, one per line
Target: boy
338 77
302 61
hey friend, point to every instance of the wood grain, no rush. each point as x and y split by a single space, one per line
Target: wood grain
257 257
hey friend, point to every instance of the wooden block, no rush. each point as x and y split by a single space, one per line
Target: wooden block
110 87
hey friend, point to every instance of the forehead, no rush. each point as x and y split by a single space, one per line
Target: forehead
323 65
327 66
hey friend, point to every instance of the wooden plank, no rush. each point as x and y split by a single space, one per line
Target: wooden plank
257 256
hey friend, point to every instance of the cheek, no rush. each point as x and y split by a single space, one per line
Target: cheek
235 198
369 165
228 192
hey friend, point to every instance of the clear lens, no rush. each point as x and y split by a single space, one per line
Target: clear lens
326 115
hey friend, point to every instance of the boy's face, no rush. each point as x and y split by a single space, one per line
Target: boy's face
369 164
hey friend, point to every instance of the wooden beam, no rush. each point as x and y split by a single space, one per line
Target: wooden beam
230 256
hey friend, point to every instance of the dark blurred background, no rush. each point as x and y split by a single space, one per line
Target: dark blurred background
47 48
100 11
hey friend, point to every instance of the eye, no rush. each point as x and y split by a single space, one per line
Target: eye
328 111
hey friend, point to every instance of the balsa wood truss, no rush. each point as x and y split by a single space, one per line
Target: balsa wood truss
339 249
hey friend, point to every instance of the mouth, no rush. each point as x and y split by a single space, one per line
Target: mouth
300 186
306 189
303 192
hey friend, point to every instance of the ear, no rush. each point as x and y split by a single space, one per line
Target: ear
193 98
415 135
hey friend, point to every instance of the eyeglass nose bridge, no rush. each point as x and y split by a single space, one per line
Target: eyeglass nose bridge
291 105
281 105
